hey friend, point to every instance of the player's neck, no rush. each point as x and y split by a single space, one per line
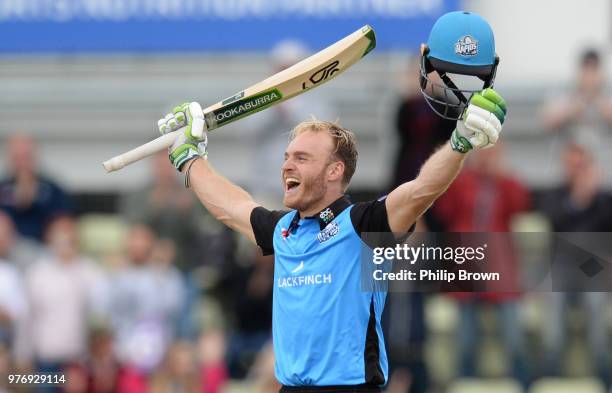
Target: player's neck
322 204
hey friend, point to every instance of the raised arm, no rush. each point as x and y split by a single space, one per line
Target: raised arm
410 200
479 128
226 201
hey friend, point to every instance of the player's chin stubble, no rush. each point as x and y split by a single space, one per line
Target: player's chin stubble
312 191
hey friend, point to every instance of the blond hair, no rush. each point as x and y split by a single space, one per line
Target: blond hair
345 144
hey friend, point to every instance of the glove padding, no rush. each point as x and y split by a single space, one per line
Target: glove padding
192 141
481 123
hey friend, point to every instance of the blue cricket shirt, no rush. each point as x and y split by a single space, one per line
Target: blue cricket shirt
326 329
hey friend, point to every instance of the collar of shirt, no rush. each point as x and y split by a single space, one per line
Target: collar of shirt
325 216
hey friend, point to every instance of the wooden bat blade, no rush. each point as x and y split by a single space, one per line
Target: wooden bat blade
300 77
309 73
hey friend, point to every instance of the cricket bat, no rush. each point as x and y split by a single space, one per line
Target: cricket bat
297 79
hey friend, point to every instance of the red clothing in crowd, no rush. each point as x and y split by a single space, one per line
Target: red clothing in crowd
476 202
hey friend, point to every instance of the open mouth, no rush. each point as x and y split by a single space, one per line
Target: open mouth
291 184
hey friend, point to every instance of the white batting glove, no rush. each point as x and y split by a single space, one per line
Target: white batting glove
192 142
481 123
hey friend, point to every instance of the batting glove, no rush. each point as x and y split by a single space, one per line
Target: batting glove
192 141
481 123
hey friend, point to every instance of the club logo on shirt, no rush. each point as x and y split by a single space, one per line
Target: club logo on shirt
466 46
328 232
326 215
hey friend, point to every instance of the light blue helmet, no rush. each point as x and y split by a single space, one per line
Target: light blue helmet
459 43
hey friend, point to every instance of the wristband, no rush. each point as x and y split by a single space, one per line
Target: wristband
459 143
188 171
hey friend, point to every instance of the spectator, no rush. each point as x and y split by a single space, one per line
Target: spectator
406 338
420 132
419 129
66 292
179 372
99 372
578 205
147 296
485 199
187 370
102 366
76 378
5 367
169 208
199 240
213 371
13 301
20 251
584 114
17 254
251 298
30 198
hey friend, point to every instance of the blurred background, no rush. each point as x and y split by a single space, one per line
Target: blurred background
126 284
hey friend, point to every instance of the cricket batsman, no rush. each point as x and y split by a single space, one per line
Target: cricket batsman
327 331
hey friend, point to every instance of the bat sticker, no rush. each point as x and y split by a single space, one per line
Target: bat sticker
243 107
322 74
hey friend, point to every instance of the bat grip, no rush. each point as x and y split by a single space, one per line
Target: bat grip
140 152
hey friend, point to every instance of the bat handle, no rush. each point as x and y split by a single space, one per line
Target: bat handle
140 152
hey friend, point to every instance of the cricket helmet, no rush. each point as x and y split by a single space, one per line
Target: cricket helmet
459 43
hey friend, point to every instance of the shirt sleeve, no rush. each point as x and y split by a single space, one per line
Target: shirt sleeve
371 217
263 222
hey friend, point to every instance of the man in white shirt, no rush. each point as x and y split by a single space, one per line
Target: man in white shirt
66 290
147 296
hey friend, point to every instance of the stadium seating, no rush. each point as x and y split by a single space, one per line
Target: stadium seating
566 385
485 386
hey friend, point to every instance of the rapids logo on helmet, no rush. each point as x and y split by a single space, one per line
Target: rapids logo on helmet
466 46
